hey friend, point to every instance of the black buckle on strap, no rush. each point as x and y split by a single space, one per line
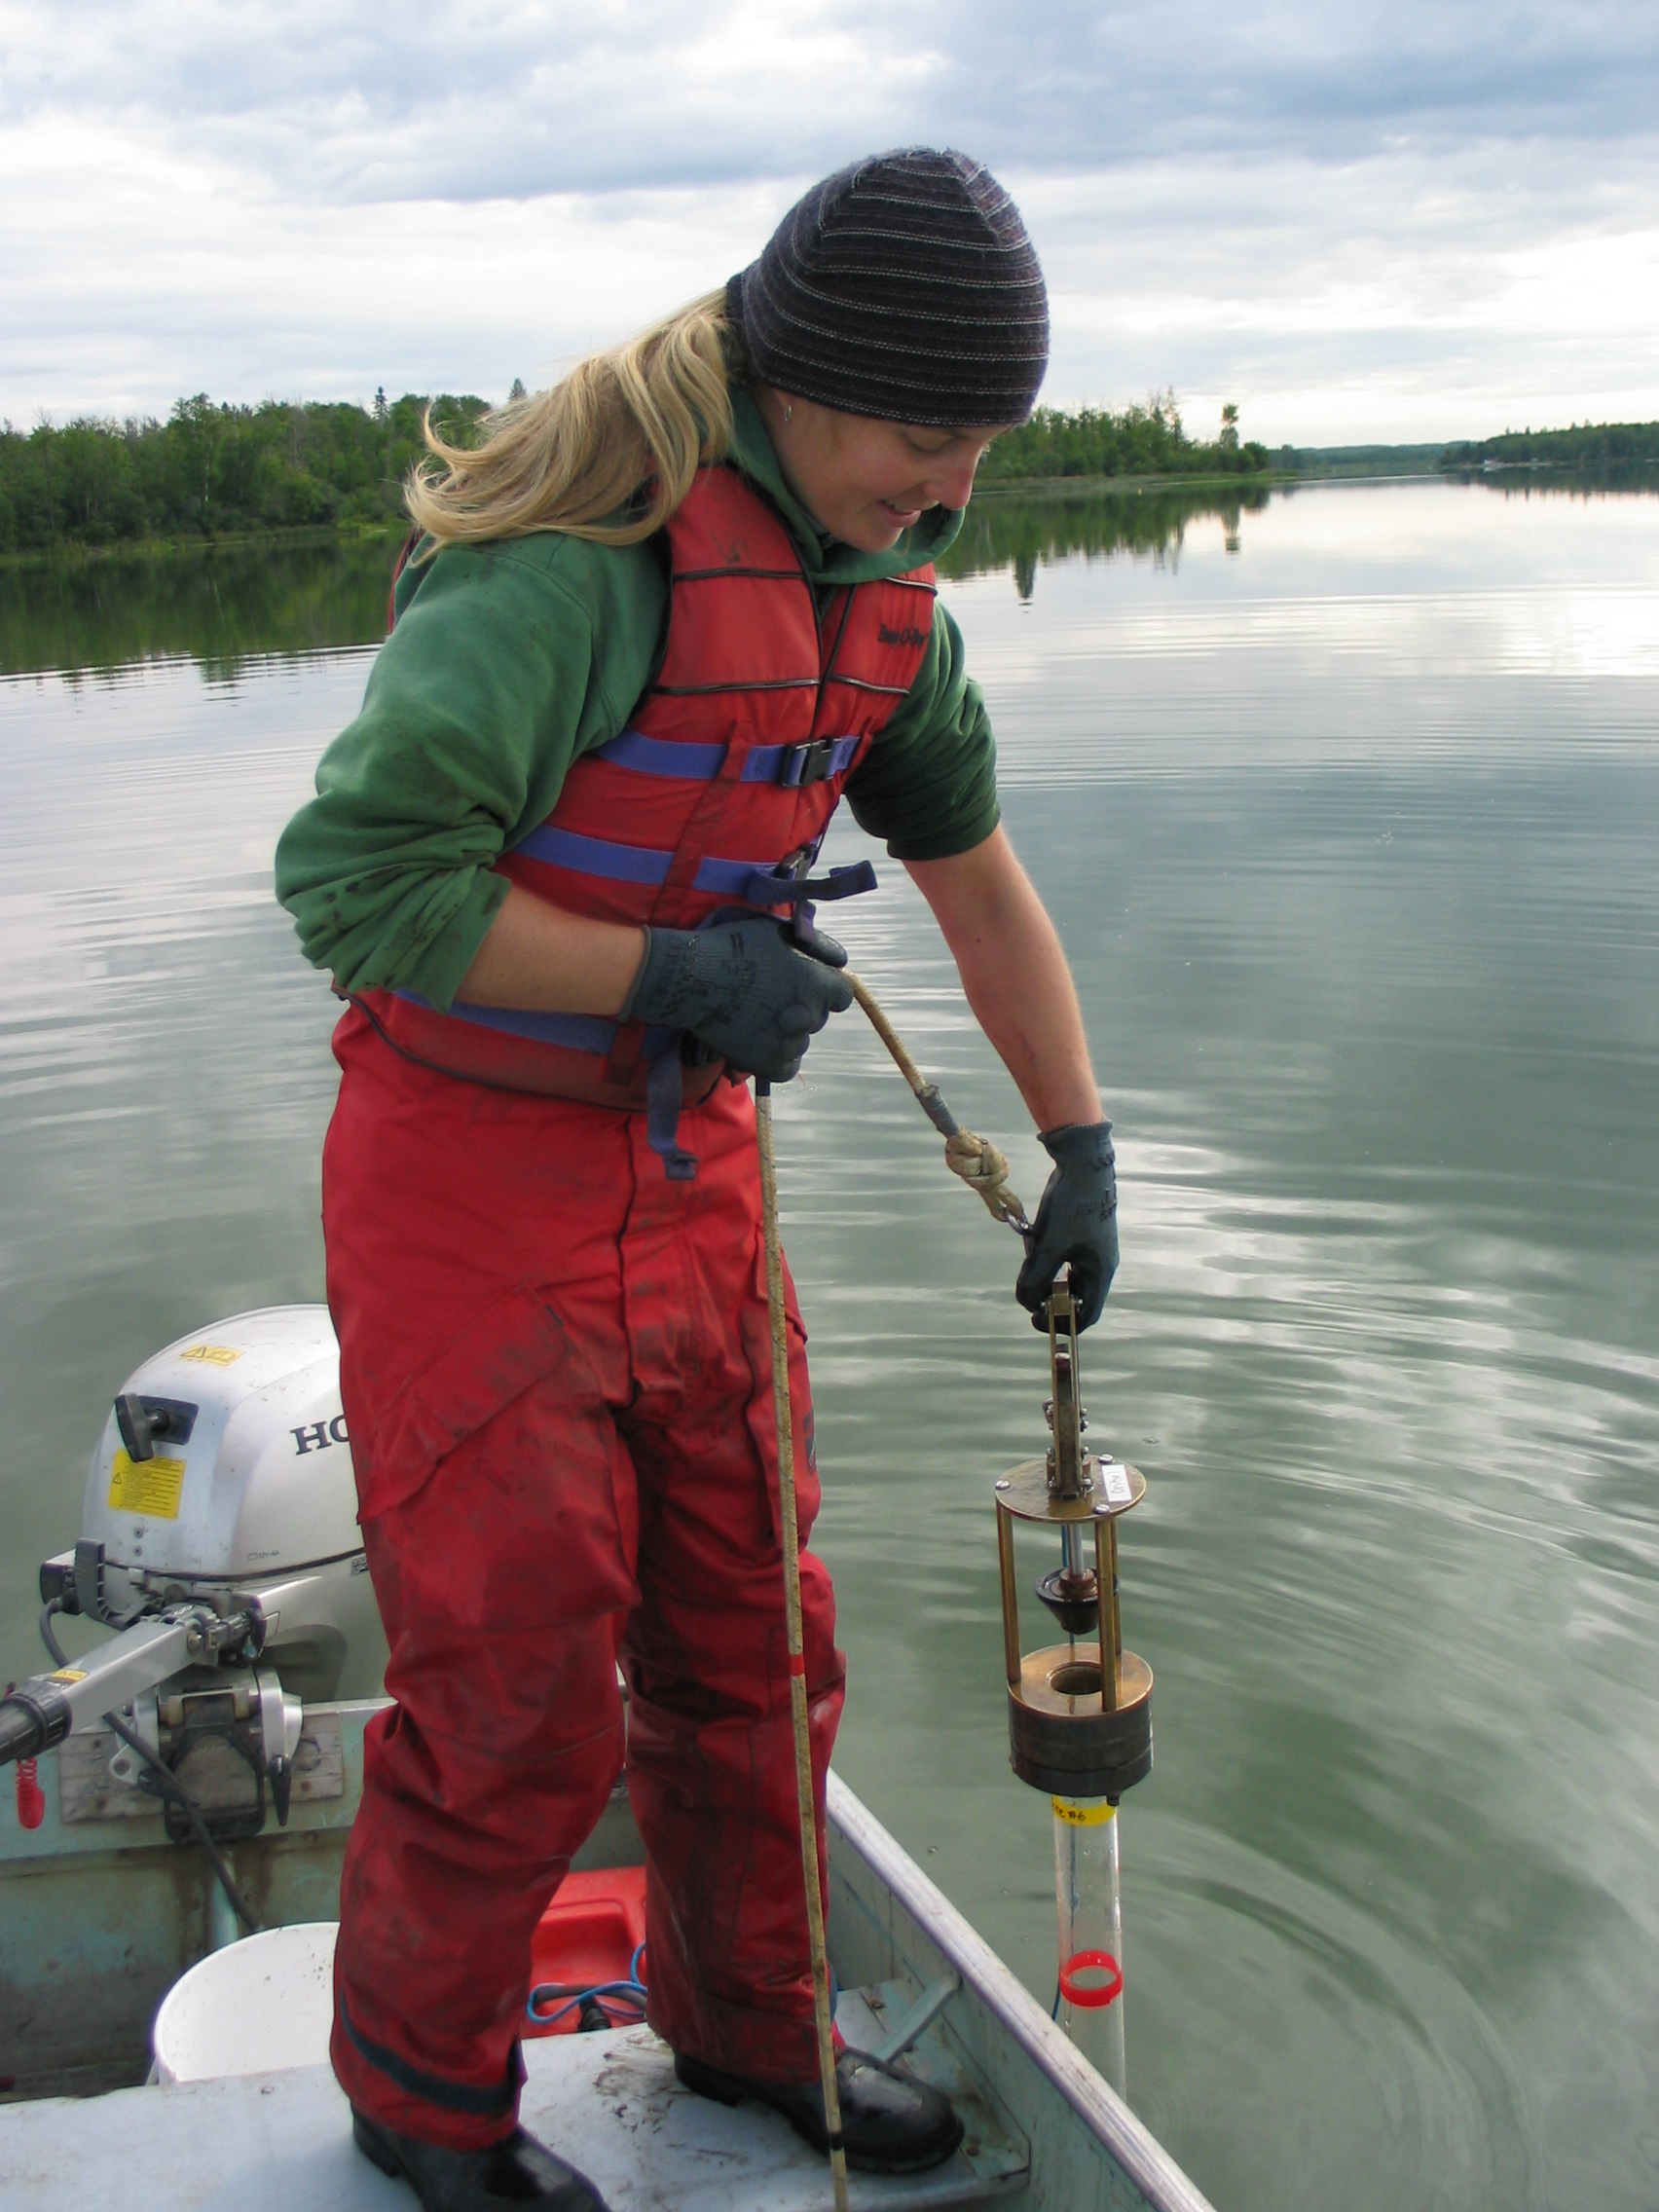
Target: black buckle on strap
811 762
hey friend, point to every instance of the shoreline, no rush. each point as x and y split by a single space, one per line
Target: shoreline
1264 479
73 553
70 553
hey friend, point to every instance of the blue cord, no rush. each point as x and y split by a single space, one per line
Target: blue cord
630 1991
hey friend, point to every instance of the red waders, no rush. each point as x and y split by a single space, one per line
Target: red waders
557 1377
557 1373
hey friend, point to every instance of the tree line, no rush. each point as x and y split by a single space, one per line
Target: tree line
1141 441
1585 445
213 470
216 470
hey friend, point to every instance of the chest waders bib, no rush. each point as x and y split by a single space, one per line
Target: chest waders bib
557 1378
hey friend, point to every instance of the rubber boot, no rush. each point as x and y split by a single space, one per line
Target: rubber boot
891 2124
519 2170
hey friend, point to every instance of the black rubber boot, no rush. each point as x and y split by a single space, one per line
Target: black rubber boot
516 2172
891 2124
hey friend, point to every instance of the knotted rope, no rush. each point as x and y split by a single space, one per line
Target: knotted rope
979 1163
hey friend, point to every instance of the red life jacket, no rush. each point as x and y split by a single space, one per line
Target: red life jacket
717 794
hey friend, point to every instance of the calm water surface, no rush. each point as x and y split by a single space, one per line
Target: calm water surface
1349 810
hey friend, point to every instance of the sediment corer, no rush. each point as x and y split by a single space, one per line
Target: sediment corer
1078 1713
39 1712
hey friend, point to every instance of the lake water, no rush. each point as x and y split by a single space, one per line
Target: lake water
1347 807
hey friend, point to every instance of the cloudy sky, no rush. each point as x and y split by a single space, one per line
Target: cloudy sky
1424 219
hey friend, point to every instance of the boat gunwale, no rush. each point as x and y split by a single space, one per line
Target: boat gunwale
1128 2141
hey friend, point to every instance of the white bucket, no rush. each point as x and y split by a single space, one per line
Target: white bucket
254 2008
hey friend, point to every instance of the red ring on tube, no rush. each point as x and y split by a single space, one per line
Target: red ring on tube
1093 1996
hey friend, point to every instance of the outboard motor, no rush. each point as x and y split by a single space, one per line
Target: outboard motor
219 1538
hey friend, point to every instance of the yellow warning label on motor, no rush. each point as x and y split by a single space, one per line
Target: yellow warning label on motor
216 1355
68 1675
1081 1815
150 1487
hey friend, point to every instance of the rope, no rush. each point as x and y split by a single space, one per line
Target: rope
979 1163
818 1949
984 1170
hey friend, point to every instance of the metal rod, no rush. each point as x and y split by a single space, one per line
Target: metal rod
1105 1559
817 1948
1117 1617
1010 1597
1068 1454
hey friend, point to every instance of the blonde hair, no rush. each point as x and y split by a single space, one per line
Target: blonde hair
608 453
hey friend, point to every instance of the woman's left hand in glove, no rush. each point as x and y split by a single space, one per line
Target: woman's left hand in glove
1077 1223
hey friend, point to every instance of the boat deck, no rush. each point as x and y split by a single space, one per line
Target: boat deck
98 1920
608 2102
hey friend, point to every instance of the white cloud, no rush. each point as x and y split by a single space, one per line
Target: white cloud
1411 295
1359 223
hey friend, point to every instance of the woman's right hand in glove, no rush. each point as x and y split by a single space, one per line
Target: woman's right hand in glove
743 986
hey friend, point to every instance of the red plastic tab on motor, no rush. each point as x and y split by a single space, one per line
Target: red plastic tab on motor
1093 1996
31 1797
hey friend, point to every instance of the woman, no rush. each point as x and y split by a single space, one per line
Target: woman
558 864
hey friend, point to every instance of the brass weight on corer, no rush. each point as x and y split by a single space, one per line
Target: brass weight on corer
1078 1713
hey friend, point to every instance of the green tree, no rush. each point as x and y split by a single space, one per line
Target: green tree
210 470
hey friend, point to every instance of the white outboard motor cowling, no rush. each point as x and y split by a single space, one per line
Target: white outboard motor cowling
225 1468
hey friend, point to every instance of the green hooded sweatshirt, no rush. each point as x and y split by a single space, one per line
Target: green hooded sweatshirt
511 658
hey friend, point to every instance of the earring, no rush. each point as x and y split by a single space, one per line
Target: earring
787 412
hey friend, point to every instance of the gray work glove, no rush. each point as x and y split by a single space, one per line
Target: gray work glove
743 986
1076 1222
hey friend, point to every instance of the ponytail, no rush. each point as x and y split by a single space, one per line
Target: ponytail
609 452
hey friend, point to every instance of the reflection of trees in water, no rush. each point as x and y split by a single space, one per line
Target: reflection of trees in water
1544 478
1003 531
223 605
220 608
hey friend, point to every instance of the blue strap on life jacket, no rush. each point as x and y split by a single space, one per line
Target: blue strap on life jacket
757 883
631 864
792 765
662 1117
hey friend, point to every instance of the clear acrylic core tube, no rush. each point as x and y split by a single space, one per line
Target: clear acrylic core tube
1091 1932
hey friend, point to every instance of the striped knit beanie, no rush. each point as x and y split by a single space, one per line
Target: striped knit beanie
905 286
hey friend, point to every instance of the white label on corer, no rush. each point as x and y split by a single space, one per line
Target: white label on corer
1115 1478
